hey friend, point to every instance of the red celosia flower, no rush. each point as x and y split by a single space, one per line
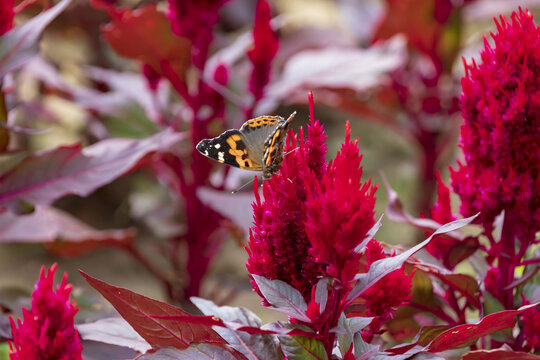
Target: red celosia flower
265 46
501 109
391 291
47 331
313 215
340 212
6 16
278 244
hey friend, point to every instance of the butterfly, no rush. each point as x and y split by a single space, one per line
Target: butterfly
257 145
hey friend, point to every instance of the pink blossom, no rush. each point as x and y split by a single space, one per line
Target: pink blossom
47 331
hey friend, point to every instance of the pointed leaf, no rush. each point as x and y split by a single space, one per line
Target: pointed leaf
59 229
144 34
20 44
194 352
370 235
115 331
302 348
463 334
44 177
141 313
321 294
283 296
253 346
383 267
499 354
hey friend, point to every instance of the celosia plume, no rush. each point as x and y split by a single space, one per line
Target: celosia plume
501 130
47 331
313 214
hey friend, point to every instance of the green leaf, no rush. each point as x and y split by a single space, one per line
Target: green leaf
302 348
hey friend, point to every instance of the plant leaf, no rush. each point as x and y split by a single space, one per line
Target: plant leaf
145 34
142 312
302 348
194 352
44 177
253 346
370 235
462 334
20 44
283 296
59 229
321 294
499 354
338 68
115 331
383 267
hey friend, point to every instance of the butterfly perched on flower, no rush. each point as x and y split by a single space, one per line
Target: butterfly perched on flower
257 145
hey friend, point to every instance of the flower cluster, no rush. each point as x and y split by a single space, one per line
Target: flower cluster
47 330
313 215
499 137
377 298
6 16
278 244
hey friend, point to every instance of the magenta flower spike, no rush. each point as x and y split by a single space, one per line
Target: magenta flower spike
499 138
46 331
313 215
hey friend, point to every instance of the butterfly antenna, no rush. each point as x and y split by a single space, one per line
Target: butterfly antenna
242 186
288 152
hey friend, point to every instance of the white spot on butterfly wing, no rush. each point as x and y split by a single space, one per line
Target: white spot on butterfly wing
217 146
221 156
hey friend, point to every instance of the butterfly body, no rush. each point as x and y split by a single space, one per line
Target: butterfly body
257 145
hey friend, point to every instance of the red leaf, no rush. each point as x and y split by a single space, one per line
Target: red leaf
142 312
144 34
499 354
44 177
462 334
47 224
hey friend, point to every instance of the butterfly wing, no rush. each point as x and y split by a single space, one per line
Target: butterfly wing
229 148
273 148
256 131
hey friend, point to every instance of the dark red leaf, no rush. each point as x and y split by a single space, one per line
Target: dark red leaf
499 354
144 34
44 177
142 312
462 334
65 235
